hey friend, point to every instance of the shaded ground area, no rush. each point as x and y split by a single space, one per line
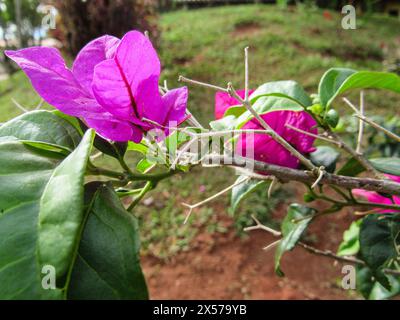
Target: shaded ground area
225 266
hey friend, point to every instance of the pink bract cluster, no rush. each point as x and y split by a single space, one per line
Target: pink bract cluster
262 146
113 85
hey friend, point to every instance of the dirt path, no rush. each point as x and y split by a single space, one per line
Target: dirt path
223 266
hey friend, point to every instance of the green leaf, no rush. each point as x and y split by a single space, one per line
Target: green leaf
285 89
339 80
144 165
225 123
351 168
138 147
243 190
387 165
24 174
350 244
330 84
379 238
379 292
372 289
176 139
293 226
43 127
325 156
75 122
57 150
235 111
107 264
61 208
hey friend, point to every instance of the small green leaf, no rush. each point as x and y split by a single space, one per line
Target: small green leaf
293 226
138 147
350 244
316 109
144 165
108 261
325 156
339 80
351 168
176 139
244 189
61 208
235 111
387 165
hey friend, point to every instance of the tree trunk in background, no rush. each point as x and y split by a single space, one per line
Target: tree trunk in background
82 21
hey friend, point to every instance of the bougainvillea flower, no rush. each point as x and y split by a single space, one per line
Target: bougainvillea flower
223 101
113 85
375 197
263 148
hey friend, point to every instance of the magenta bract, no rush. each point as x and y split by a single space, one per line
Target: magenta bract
262 147
268 150
223 101
113 85
375 197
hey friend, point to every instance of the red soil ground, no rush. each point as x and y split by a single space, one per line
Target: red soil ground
224 266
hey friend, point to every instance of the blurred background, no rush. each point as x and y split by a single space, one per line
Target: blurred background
211 257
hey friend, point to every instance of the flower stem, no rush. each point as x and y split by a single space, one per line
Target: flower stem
148 186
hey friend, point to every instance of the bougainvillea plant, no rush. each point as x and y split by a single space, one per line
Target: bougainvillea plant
67 226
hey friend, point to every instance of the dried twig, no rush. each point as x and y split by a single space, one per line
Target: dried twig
325 253
360 125
311 249
203 84
371 122
193 206
326 138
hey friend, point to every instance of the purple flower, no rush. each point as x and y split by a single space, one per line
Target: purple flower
268 150
113 86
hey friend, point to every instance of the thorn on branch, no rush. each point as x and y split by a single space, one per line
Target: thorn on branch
321 173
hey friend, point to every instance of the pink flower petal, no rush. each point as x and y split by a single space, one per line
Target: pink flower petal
267 150
110 90
55 83
175 102
116 130
223 101
149 102
93 53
